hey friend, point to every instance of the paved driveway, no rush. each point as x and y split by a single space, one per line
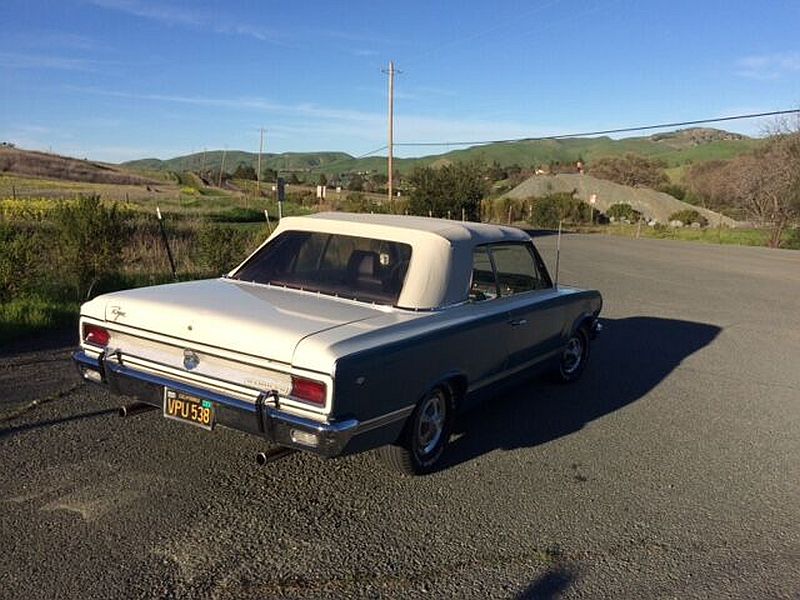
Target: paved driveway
669 470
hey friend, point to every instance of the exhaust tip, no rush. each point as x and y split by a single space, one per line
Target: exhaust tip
277 453
135 408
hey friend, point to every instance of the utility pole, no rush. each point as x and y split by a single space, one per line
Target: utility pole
258 171
222 167
391 72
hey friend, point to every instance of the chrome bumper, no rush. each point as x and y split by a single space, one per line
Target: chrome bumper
264 417
596 329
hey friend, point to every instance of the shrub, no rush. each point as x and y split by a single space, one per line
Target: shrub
27 209
89 237
674 190
689 216
222 247
549 210
621 211
632 170
359 203
21 259
238 214
792 240
449 188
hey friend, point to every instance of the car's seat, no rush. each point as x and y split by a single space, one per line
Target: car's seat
363 270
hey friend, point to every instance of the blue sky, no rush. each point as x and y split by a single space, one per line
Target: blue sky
121 79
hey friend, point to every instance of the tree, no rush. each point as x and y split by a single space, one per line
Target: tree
322 179
774 184
632 170
496 173
448 189
244 171
548 210
705 184
269 174
294 179
356 183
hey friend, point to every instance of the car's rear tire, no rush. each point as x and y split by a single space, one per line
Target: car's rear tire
573 358
425 435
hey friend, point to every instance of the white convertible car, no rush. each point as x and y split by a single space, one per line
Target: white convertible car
343 333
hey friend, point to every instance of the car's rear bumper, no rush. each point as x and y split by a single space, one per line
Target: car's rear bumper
596 328
264 417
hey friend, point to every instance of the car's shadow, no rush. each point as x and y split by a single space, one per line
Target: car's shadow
629 358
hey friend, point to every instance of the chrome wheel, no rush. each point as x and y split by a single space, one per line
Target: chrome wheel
430 424
573 355
419 448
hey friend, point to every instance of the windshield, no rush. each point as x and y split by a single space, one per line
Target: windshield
359 268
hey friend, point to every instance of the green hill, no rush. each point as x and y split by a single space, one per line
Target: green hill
292 161
676 149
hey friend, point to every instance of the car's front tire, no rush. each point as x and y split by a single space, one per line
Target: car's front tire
573 358
425 436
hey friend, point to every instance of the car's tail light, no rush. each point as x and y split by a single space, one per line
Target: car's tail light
308 390
95 335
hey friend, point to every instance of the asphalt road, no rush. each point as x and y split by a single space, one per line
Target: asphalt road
672 469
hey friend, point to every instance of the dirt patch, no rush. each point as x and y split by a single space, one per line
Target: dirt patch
51 166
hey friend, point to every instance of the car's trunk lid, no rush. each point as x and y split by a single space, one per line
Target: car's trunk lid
257 320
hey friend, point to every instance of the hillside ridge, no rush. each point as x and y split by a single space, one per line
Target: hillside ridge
675 148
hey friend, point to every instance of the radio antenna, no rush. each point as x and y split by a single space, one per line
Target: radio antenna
166 243
558 252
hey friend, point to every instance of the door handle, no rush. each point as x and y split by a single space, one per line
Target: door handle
518 322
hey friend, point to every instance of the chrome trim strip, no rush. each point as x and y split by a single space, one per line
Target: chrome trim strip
385 419
307 424
191 379
123 371
180 343
337 427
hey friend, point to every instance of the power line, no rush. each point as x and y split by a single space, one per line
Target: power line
773 113
347 160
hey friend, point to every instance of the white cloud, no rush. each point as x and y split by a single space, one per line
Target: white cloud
10 60
50 40
167 14
153 11
196 19
768 66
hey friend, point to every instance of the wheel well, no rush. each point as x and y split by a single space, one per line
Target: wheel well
455 386
585 323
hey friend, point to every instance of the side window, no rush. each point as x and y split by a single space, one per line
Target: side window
483 285
516 269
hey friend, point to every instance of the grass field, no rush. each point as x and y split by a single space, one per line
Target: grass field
209 229
708 235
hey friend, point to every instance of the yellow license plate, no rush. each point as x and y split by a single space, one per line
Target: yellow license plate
189 409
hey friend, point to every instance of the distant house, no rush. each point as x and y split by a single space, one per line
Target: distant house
8 145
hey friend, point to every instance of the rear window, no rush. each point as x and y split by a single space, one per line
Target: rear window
359 268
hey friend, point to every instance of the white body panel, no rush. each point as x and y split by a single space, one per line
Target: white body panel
249 319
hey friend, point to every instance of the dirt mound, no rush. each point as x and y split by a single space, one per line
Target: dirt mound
29 163
652 204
